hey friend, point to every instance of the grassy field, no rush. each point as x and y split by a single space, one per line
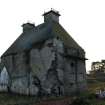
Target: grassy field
93 86
96 85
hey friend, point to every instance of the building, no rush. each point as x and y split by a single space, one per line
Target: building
44 60
98 70
98 66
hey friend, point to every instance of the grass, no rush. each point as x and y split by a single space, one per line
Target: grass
95 85
12 99
15 99
85 98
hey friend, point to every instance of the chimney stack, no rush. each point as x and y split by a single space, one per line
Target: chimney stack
27 27
51 15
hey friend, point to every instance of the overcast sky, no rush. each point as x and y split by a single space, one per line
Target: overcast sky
84 20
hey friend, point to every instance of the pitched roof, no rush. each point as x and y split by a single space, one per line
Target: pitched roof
40 33
65 36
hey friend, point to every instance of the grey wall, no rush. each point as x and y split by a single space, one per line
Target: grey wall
46 70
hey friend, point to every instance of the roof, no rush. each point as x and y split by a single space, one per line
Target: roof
52 11
40 33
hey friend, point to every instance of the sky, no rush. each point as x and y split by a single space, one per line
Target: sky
84 20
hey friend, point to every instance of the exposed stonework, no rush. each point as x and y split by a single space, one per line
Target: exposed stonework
44 64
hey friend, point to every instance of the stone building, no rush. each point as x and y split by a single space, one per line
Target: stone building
44 60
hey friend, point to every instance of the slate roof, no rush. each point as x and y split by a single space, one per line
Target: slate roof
40 33
1 67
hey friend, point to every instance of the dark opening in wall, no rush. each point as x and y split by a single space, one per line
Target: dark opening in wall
71 84
27 57
72 64
57 38
50 44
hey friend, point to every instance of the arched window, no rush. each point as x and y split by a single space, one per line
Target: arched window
4 77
